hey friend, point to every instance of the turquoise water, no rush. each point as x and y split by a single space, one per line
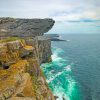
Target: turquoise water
60 77
75 70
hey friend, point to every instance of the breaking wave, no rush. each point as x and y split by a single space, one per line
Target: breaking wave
60 77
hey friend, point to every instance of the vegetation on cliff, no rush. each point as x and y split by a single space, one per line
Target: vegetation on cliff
23 78
21 53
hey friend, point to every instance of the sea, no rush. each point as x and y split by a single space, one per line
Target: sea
74 73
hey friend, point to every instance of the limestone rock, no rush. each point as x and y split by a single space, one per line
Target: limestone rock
11 78
14 45
26 51
44 47
21 98
24 27
25 88
23 79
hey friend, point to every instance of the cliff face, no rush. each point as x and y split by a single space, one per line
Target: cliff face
24 27
20 75
44 46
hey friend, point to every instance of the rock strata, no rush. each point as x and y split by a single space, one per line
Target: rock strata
20 57
23 78
24 27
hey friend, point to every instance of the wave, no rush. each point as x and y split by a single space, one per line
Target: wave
60 78
68 68
52 78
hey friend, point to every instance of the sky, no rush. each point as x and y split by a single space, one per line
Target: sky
71 16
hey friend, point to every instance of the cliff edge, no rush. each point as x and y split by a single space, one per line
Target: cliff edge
20 57
24 27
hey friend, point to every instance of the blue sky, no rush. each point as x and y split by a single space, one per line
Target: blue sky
71 16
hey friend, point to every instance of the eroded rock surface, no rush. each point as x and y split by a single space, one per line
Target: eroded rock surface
44 45
20 57
23 80
24 27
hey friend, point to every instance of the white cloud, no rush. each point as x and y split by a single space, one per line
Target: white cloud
48 8
59 10
77 16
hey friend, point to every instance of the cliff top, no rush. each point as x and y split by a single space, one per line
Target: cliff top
24 27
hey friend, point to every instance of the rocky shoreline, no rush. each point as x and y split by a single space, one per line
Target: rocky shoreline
23 48
53 37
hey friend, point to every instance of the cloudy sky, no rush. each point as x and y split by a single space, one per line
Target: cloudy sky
71 16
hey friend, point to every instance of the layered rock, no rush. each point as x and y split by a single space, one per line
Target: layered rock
20 75
23 79
44 45
24 27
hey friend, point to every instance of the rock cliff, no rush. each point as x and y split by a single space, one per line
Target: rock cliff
20 74
24 27
20 57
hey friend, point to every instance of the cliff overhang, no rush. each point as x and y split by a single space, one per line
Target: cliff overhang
24 27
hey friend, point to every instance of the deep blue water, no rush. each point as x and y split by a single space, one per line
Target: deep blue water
74 72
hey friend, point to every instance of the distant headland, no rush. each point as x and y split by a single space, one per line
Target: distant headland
53 37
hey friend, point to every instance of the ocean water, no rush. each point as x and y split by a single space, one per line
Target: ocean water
74 73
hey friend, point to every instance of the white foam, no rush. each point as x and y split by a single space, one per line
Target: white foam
55 57
68 68
52 78
59 92
57 51
71 86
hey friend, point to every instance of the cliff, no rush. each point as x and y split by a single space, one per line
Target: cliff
24 27
20 57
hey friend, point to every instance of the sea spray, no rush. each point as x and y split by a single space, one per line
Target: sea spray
60 78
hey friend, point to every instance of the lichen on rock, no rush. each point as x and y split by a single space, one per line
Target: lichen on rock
20 57
24 27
